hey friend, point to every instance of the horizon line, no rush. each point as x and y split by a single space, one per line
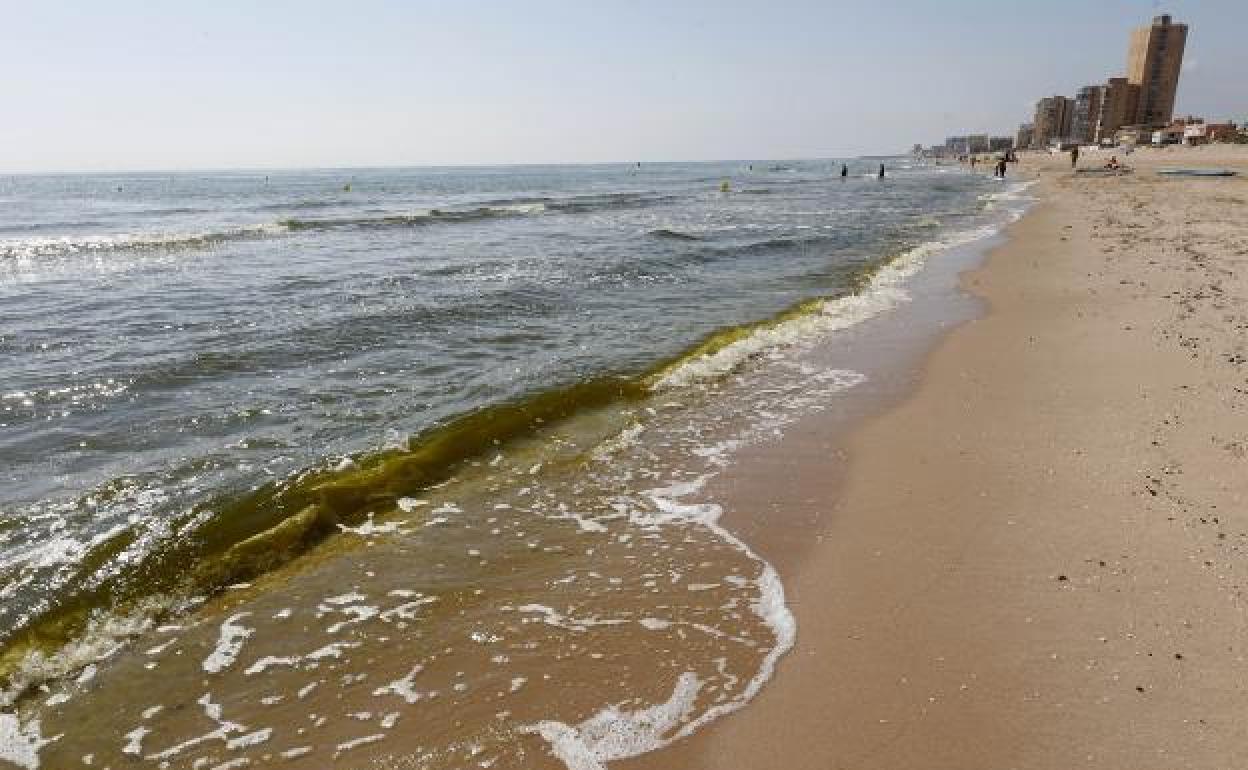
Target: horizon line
371 167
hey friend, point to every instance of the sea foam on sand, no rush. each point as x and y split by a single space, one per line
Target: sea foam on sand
20 743
612 734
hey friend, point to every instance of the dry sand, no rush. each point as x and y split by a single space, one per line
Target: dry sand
1038 559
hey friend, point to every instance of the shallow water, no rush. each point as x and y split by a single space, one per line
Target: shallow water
204 376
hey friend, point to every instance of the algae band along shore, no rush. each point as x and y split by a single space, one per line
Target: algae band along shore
297 463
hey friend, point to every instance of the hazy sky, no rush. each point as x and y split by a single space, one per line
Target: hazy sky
146 85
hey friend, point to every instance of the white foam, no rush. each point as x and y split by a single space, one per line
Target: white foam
229 644
358 614
333 650
369 528
250 739
213 712
681 488
625 438
349 598
134 740
355 742
20 743
403 687
583 523
103 637
884 293
86 675
28 248
612 734
552 617
407 610
271 661
158 649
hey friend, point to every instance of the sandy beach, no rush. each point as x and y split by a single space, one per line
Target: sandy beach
1036 559
430 389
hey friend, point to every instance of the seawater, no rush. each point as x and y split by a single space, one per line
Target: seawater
454 423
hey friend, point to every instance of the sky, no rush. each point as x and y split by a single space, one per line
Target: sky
125 85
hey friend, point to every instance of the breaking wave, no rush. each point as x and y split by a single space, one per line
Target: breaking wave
67 245
234 539
55 246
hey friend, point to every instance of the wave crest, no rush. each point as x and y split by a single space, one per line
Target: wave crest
55 246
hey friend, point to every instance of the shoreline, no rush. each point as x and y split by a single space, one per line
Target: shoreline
1007 575
247 632
912 522
276 522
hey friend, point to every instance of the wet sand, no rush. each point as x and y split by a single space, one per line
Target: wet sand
1036 560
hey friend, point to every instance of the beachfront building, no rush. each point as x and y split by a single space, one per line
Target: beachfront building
1000 143
1144 99
1153 64
1221 132
1117 108
1052 121
1200 132
1133 135
1171 134
957 145
1086 113
1023 140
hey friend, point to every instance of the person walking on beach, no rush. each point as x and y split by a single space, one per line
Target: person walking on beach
881 171
973 162
1000 172
1074 157
844 170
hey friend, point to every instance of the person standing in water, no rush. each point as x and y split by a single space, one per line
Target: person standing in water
1000 173
881 171
844 170
1074 157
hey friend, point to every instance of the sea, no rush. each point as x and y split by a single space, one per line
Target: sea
407 467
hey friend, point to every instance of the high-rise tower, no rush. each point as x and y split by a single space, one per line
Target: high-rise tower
1053 118
1086 113
1153 64
1119 100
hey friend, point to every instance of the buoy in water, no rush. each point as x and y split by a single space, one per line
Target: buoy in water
346 187
724 186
